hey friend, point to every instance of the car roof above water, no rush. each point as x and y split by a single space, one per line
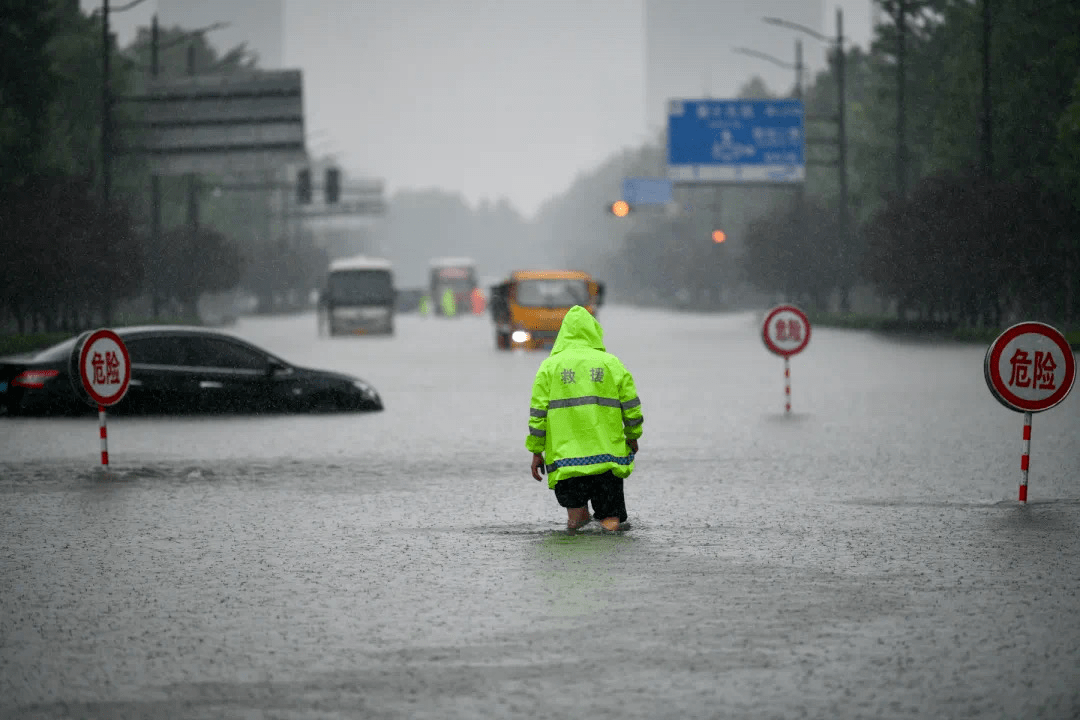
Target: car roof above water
63 348
170 330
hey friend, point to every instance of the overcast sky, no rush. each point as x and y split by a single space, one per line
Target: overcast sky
494 98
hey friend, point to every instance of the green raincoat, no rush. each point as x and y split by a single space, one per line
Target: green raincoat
449 307
584 405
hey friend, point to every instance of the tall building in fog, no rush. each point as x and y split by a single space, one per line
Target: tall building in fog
258 24
690 48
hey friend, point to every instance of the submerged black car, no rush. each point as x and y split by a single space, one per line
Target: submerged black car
178 369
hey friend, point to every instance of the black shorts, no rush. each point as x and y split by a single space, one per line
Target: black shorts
604 491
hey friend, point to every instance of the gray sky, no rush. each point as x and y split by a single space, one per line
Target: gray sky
495 98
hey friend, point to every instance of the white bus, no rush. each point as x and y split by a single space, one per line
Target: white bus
358 298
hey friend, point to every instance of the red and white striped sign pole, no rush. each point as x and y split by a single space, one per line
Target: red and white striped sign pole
1029 368
104 435
105 371
786 331
787 385
1025 458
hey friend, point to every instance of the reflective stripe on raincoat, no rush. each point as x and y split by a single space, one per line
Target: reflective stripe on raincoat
584 405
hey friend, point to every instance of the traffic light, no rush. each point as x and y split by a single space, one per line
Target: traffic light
718 236
303 186
619 208
333 185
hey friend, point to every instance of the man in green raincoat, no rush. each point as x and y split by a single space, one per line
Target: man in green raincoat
584 423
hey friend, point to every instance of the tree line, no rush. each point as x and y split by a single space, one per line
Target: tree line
963 129
963 166
76 254
963 120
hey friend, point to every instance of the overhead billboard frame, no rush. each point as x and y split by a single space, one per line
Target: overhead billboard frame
736 142
219 124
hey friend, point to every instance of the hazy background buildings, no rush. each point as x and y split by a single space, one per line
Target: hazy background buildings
498 99
504 131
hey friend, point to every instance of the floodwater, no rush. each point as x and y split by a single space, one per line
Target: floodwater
863 556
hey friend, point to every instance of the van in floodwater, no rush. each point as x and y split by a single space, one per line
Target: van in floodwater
529 306
359 297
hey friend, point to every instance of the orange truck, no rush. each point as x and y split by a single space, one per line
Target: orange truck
528 307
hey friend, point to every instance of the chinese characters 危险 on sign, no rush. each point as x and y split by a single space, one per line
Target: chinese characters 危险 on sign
104 367
1030 367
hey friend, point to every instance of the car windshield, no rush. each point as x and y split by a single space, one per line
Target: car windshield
358 287
552 293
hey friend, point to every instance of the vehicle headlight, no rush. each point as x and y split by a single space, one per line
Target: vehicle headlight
520 336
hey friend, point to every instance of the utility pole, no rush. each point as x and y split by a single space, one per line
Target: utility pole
986 136
155 186
901 110
800 190
841 159
798 69
106 154
192 178
844 212
106 108
155 177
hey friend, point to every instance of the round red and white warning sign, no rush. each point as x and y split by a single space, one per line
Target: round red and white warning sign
786 330
1030 367
105 367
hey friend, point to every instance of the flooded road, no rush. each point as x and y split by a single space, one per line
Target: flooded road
864 556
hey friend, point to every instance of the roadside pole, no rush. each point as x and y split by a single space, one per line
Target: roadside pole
1029 368
786 332
104 373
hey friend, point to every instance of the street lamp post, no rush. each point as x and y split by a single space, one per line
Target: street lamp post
797 66
106 136
901 98
841 131
106 151
155 183
106 107
798 69
841 123
155 179
986 119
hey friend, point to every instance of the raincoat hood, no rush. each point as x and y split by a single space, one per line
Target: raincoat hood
579 329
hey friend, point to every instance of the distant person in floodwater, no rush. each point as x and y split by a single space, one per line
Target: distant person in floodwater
449 307
478 302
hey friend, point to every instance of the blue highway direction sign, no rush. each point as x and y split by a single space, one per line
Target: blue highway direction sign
736 141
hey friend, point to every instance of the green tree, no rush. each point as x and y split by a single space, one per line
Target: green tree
793 253
73 256
1068 143
28 86
190 264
